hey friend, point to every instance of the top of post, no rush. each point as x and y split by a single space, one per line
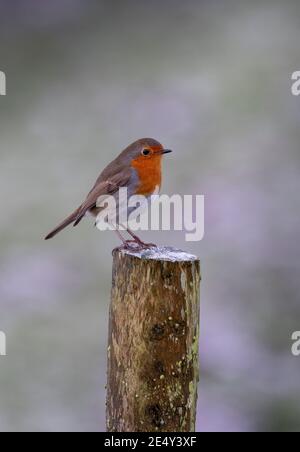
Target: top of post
167 254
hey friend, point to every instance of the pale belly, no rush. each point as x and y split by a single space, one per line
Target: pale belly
126 211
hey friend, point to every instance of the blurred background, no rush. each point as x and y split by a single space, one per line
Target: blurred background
210 80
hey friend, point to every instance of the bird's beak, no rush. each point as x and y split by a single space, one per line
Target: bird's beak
165 151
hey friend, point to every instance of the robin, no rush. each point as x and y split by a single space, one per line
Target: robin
138 169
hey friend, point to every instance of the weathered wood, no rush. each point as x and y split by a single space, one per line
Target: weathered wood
153 342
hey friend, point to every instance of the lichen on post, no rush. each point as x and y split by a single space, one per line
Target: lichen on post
153 365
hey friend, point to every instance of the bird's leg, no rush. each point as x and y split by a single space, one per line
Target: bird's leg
139 241
126 243
120 237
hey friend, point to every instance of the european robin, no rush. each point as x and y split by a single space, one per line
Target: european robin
138 168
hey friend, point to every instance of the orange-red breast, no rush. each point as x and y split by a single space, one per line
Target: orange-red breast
138 168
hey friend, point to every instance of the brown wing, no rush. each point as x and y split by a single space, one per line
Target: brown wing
102 188
109 182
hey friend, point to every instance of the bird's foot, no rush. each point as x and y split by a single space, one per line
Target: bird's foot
141 245
133 245
129 245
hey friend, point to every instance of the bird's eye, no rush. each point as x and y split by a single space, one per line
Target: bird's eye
146 152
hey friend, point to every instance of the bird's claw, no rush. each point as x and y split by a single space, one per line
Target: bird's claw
133 245
142 245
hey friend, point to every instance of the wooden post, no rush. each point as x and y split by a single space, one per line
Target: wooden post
153 342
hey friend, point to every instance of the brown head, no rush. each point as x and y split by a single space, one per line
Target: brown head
143 150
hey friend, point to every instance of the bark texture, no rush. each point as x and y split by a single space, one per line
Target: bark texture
153 365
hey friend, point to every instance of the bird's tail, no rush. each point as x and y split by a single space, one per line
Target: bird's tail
71 219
